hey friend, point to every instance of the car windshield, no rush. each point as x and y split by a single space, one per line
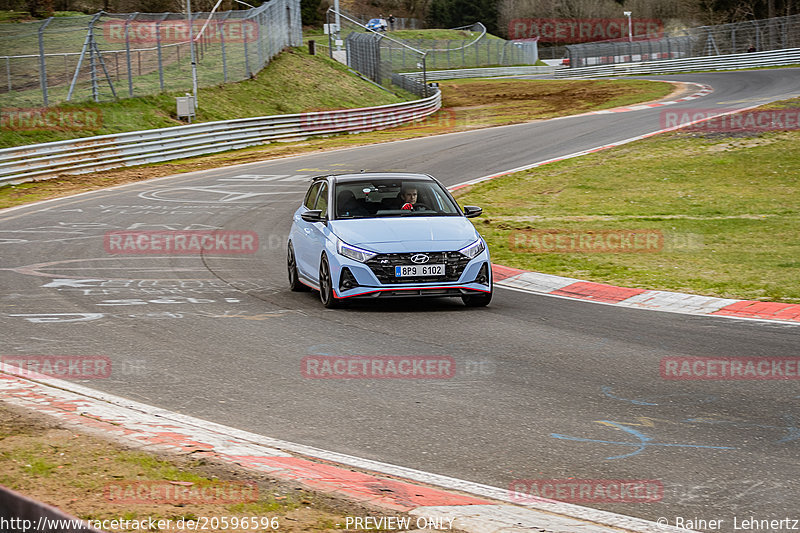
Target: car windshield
392 198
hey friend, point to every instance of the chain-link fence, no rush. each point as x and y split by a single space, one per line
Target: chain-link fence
468 53
107 56
369 53
750 36
382 58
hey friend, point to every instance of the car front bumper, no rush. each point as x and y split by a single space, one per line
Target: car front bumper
368 286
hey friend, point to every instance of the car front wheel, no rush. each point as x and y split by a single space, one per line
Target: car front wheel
291 266
478 299
326 285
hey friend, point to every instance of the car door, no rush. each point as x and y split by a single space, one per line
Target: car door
317 236
302 232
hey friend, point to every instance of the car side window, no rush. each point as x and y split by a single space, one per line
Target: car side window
322 200
311 195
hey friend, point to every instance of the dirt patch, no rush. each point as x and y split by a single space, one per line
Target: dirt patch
569 97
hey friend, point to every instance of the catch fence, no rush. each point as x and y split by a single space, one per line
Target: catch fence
107 56
777 33
468 53
404 62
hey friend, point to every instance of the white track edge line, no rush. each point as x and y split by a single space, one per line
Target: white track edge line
637 308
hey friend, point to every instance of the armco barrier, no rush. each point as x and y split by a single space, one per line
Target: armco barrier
92 154
25 514
771 58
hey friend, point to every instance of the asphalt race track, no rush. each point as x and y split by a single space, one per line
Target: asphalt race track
546 388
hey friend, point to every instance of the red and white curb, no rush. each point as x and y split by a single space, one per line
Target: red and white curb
467 506
705 90
673 302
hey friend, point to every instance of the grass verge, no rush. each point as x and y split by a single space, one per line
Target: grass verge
294 82
727 205
95 479
474 104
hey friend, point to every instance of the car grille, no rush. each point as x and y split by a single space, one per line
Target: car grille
382 266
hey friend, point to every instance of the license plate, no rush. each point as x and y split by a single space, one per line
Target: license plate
411 271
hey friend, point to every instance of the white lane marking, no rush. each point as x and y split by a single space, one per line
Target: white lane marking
508 519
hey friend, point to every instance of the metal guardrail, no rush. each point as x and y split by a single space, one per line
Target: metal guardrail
92 154
30 514
486 72
773 58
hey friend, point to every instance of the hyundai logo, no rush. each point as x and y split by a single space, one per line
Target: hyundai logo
420 258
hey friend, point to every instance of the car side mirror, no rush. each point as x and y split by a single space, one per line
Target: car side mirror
472 211
315 215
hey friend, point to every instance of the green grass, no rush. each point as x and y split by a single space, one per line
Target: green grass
728 207
7 17
31 460
293 82
23 16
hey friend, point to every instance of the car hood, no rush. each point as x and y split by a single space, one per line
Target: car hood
406 234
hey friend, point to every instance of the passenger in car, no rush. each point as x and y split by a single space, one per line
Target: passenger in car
348 205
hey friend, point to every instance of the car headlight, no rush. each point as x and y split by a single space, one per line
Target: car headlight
473 249
351 252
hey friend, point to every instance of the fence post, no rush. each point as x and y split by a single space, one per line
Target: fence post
260 44
158 51
246 58
42 64
221 32
424 76
449 65
127 55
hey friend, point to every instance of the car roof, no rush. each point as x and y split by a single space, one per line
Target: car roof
339 178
